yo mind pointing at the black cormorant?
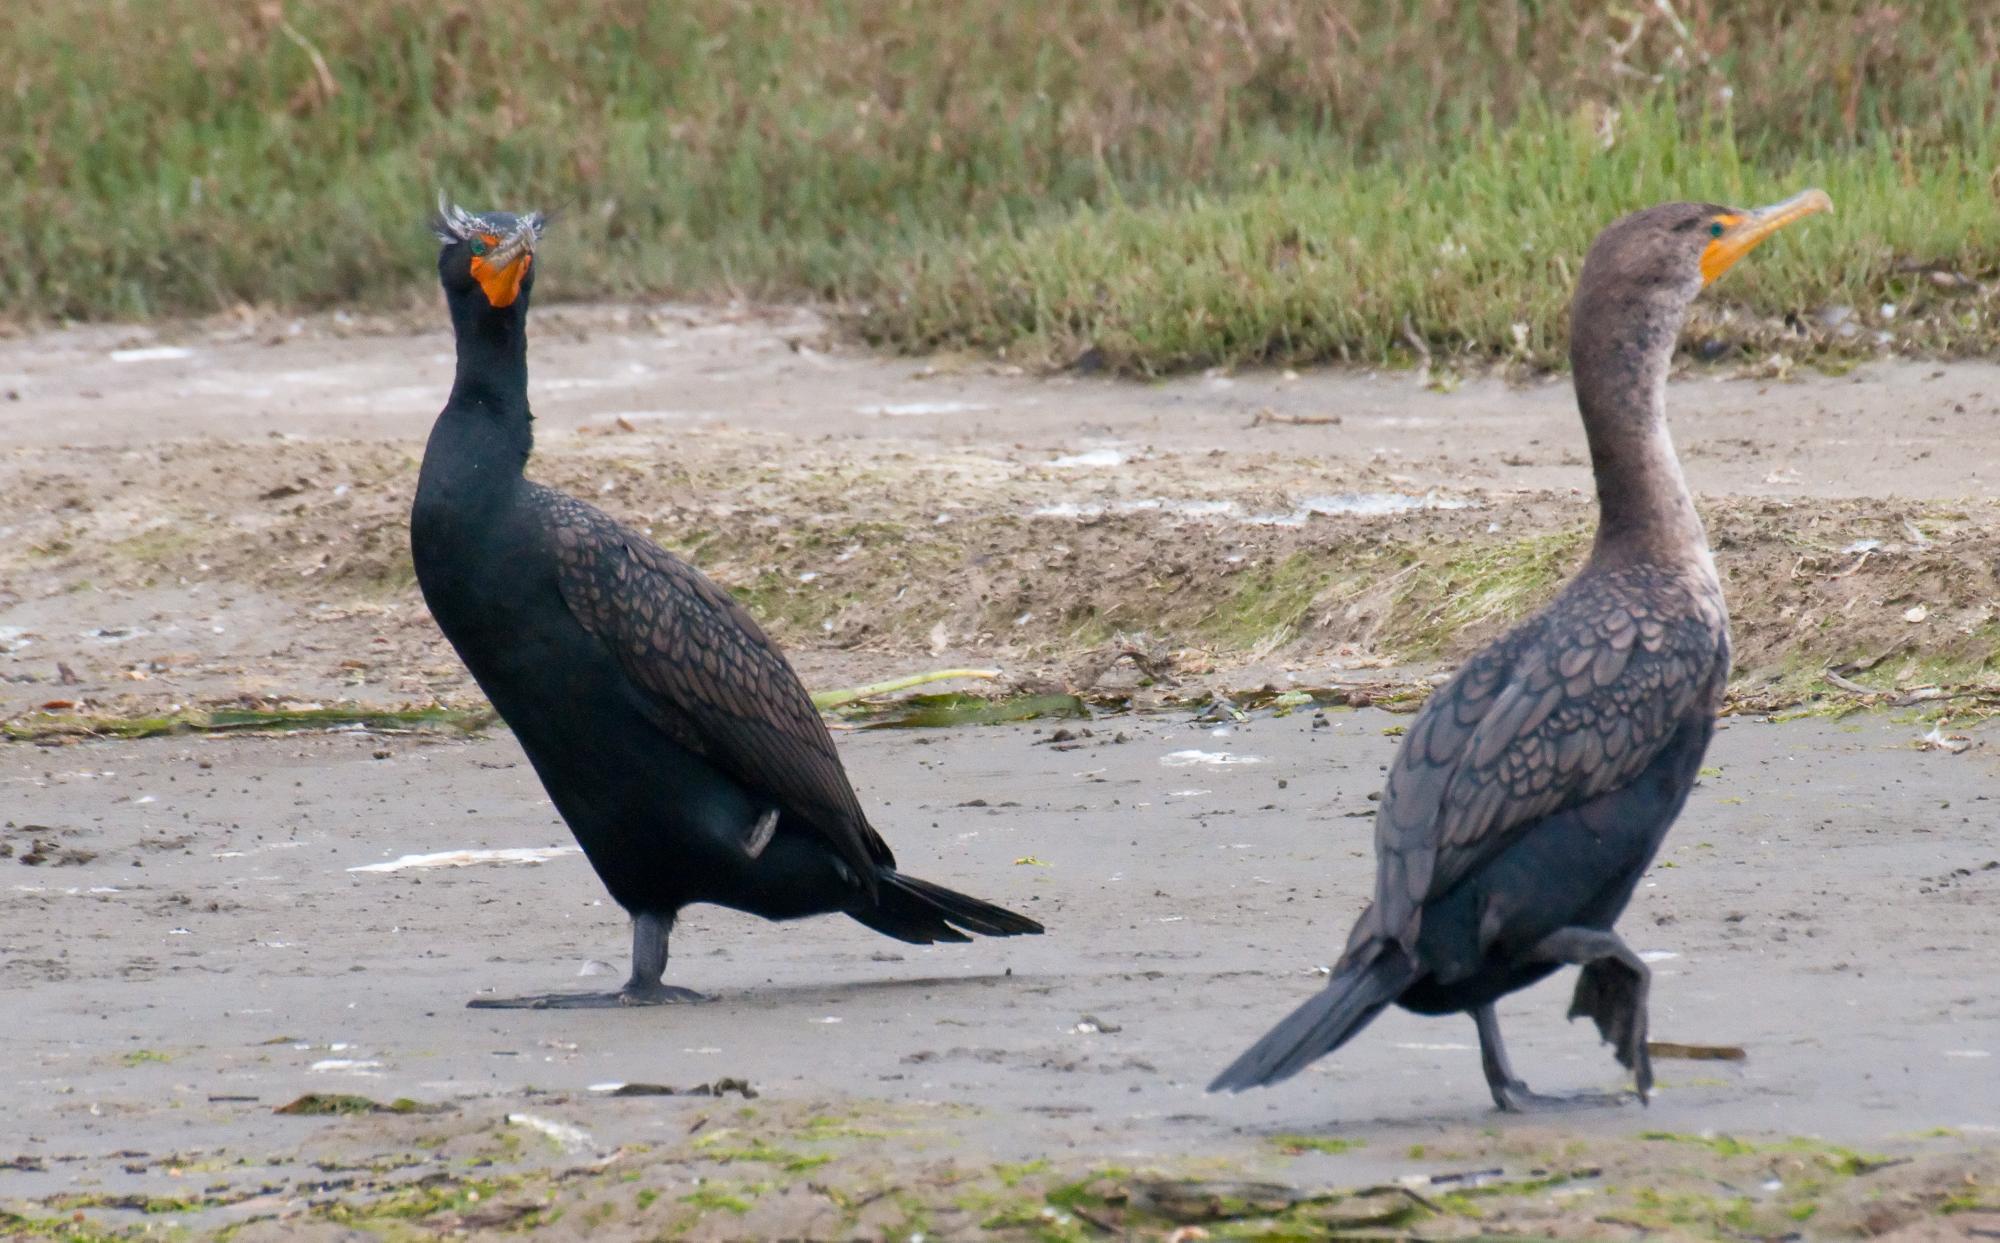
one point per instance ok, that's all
(1533, 789)
(671, 734)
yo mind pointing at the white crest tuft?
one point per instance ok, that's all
(452, 223)
(455, 224)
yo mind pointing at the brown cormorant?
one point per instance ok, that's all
(1533, 789)
(671, 734)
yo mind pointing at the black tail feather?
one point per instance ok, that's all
(921, 913)
(1355, 995)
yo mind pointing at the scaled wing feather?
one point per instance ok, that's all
(708, 675)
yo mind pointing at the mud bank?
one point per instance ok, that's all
(217, 517)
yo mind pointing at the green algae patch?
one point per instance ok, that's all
(330, 1104)
(959, 708)
(46, 725)
(1294, 1145)
(1478, 588)
(1839, 1160)
(786, 1159)
(152, 1206)
(708, 1198)
(827, 701)
(1268, 606)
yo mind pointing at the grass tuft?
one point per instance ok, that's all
(1149, 185)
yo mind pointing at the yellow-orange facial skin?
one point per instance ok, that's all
(1741, 234)
(501, 283)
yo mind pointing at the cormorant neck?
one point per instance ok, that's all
(1621, 347)
(492, 378)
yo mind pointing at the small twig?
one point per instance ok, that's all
(1851, 687)
(1084, 1215)
(1869, 662)
(329, 86)
(1931, 695)
(1415, 342)
(1696, 1052)
(873, 1196)
(1293, 420)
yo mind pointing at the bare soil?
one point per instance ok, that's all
(188, 948)
(226, 523)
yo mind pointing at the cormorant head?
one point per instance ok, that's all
(1678, 249)
(1645, 270)
(486, 256)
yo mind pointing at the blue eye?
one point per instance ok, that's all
(479, 244)
(1715, 230)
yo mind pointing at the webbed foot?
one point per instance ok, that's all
(1513, 1097)
(630, 995)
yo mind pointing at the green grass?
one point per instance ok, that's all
(1172, 184)
(1471, 247)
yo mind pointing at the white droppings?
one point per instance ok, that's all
(1435, 1048)
(568, 1138)
(1089, 459)
(1360, 505)
(1354, 504)
(468, 858)
(910, 409)
(1656, 955)
(355, 1066)
(152, 354)
(1187, 759)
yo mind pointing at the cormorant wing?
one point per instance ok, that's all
(706, 674)
(1573, 704)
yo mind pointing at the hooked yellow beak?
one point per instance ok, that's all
(1740, 234)
(505, 264)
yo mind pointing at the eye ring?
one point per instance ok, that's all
(1715, 229)
(479, 246)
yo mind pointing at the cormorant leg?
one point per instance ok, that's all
(1509, 1093)
(1612, 991)
(649, 963)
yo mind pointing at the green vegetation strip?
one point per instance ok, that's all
(333, 1104)
(38, 726)
(1140, 185)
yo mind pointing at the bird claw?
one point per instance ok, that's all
(660, 995)
(652, 995)
(1515, 1098)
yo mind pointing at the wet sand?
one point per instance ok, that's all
(198, 948)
